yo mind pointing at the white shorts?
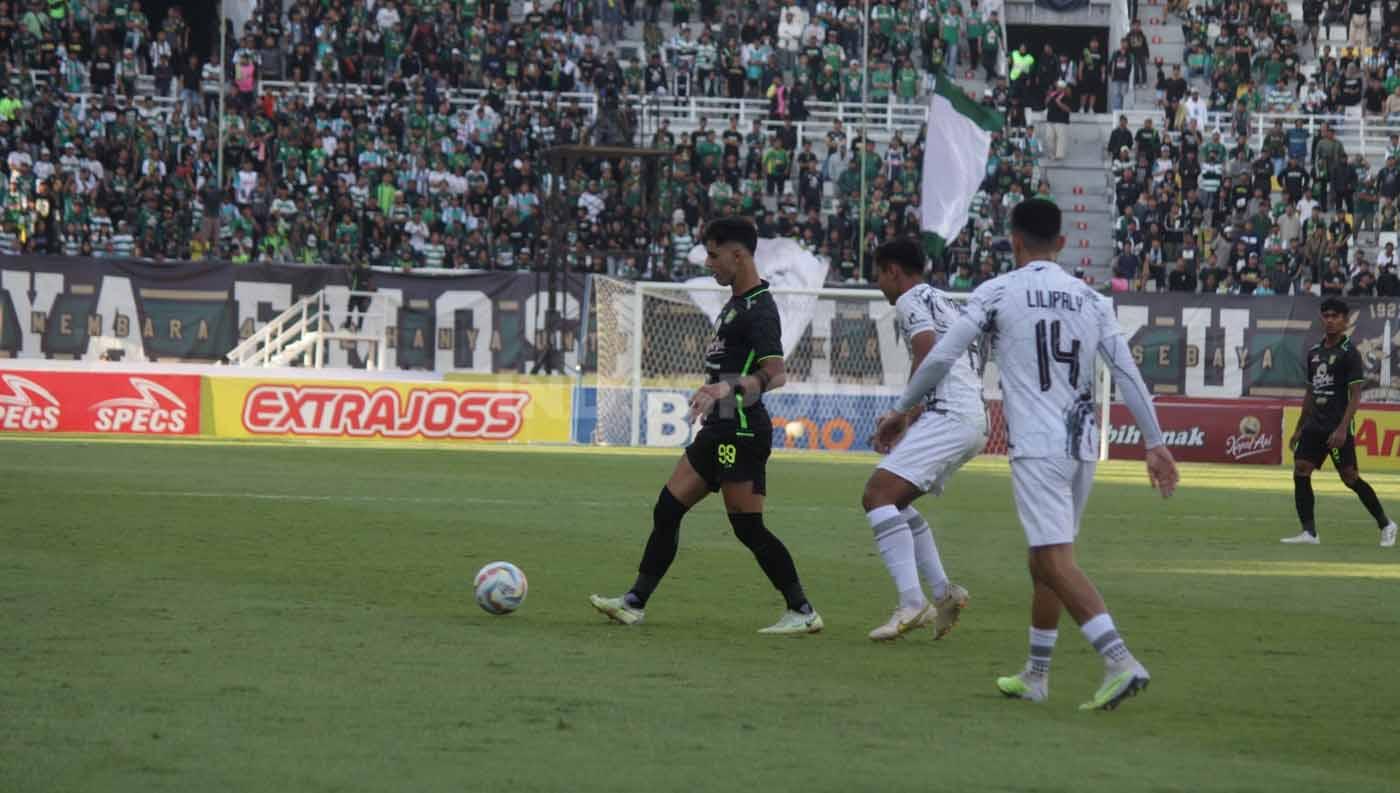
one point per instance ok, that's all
(932, 449)
(1050, 495)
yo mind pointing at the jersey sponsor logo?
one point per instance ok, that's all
(321, 411)
(156, 409)
(28, 406)
(1323, 377)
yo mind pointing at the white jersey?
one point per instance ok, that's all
(1048, 328)
(922, 309)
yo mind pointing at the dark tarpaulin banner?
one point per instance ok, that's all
(1063, 5)
(1202, 346)
(1212, 346)
(58, 307)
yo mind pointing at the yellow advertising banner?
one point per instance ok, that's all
(1377, 430)
(501, 411)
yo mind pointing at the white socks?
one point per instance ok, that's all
(896, 546)
(926, 553)
(1042, 646)
(1100, 632)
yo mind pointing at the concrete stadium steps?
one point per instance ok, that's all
(1166, 41)
(1081, 188)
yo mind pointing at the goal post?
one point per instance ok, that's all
(846, 365)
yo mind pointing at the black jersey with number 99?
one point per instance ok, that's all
(749, 331)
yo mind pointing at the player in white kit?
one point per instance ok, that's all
(1048, 327)
(950, 430)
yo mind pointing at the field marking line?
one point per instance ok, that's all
(316, 498)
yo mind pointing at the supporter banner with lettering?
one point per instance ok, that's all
(1237, 431)
(252, 407)
(1221, 347)
(56, 307)
(127, 404)
(1377, 432)
(1063, 5)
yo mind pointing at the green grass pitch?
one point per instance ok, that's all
(205, 617)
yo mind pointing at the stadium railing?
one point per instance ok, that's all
(1367, 136)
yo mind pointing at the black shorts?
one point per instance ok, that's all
(723, 455)
(1312, 446)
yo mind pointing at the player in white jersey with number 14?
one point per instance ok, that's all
(1048, 328)
(951, 429)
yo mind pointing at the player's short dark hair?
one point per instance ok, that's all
(903, 252)
(1333, 305)
(1038, 221)
(732, 229)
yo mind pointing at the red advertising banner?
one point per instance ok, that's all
(1242, 431)
(127, 404)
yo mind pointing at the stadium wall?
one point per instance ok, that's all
(1200, 346)
(191, 401)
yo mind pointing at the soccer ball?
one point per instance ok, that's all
(500, 588)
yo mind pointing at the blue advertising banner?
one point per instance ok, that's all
(834, 422)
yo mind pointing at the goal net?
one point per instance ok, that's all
(846, 365)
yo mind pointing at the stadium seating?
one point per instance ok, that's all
(409, 136)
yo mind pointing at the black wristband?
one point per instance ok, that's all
(736, 388)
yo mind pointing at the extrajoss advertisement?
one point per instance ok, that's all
(404, 410)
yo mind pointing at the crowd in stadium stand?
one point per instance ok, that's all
(1209, 212)
(109, 129)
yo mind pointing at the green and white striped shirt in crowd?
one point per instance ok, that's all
(122, 244)
(433, 253)
(100, 225)
(680, 251)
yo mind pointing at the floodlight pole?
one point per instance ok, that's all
(223, 75)
(864, 131)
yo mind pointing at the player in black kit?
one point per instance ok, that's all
(1335, 374)
(730, 453)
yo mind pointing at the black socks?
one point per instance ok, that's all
(660, 552)
(772, 556)
(1303, 500)
(661, 548)
(1368, 498)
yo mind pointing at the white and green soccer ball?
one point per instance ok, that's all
(500, 588)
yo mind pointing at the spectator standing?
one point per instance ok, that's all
(1137, 45)
(1091, 77)
(1058, 105)
(1120, 75)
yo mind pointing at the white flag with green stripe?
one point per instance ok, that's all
(956, 147)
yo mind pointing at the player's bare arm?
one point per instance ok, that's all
(922, 343)
(927, 375)
(771, 374)
(1338, 438)
(1302, 418)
